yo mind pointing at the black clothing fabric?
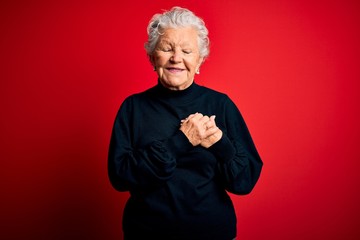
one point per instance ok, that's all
(178, 191)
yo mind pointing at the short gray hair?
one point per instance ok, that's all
(175, 18)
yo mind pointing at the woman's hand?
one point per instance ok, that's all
(193, 128)
(213, 133)
(200, 129)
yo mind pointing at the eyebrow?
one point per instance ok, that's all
(182, 45)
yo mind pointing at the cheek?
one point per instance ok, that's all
(192, 64)
(159, 60)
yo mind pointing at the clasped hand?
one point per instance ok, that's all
(201, 130)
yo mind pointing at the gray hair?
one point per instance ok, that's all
(175, 18)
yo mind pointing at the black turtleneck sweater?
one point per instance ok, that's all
(178, 191)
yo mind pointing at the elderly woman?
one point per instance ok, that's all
(170, 152)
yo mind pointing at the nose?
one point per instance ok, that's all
(176, 56)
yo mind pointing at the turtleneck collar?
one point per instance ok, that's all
(162, 88)
(186, 95)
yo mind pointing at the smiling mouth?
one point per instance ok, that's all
(174, 70)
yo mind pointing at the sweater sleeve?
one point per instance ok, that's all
(139, 168)
(238, 160)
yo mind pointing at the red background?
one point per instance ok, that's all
(292, 67)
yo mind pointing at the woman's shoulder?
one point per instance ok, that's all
(140, 94)
(213, 92)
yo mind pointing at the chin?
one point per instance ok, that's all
(175, 82)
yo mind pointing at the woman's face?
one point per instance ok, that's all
(176, 57)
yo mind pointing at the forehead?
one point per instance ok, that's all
(185, 35)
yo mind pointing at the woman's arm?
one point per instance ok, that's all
(239, 162)
(134, 168)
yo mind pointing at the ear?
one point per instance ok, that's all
(151, 58)
(201, 61)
